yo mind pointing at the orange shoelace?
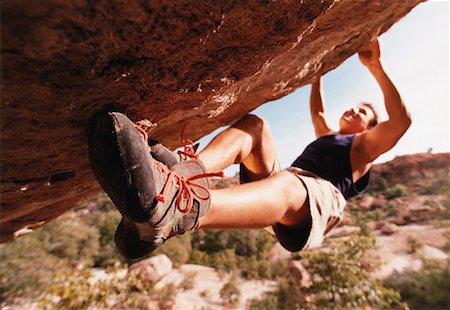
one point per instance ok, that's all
(189, 148)
(186, 187)
(142, 132)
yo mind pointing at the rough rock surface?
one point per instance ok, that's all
(165, 61)
(414, 171)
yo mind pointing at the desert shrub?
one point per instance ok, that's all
(362, 217)
(177, 249)
(70, 237)
(106, 222)
(268, 302)
(25, 268)
(397, 190)
(225, 260)
(414, 244)
(28, 264)
(426, 289)
(78, 290)
(365, 229)
(446, 248)
(378, 185)
(244, 242)
(210, 241)
(231, 250)
(255, 267)
(230, 292)
(250, 267)
(340, 281)
(278, 269)
(441, 186)
(166, 296)
(188, 281)
(445, 214)
(288, 295)
(199, 257)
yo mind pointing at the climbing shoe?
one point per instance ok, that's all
(161, 153)
(121, 161)
(156, 202)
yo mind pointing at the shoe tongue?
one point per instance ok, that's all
(191, 168)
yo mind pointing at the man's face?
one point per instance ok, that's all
(356, 119)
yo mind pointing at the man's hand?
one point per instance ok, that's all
(385, 135)
(370, 56)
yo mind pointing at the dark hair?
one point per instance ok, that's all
(374, 121)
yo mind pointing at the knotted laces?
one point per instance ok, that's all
(189, 147)
(187, 189)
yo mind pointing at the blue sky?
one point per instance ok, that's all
(415, 53)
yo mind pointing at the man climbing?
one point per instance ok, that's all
(159, 197)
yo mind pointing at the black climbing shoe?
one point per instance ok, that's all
(155, 201)
(163, 154)
(121, 161)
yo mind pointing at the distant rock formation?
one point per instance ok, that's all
(166, 61)
(415, 170)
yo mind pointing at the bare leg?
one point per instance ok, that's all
(277, 199)
(249, 141)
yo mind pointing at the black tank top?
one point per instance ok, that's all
(329, 158)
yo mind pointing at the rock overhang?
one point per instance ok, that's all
(167, 62)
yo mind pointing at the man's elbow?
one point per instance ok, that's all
(407, 120)
(404, 120)
(401, 125)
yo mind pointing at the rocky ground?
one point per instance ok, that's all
(406, 210)
(396, 250)
(408, 229)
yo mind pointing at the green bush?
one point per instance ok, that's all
(230, 292)
(225, 260)
(78, 290)
(414, 244)
(188, 281)
(244, 250)
(28, 264)
(338, 281)
(426, 289)
(177, 249)
(397, 190)
(26, 268)
(269, 302)
(378, 185)
(166, 296)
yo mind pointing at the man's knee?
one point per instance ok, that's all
(256, 126)
(292, 191)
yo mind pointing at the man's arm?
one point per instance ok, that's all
(317, 109)
(385, 135)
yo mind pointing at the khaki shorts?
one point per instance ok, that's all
(326, 205)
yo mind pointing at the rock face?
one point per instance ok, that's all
(415, 170)
(165, 61)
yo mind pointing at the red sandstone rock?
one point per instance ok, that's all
(166, 61)
(388, 228)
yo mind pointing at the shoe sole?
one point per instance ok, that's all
(128, 243)
(121, 161)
